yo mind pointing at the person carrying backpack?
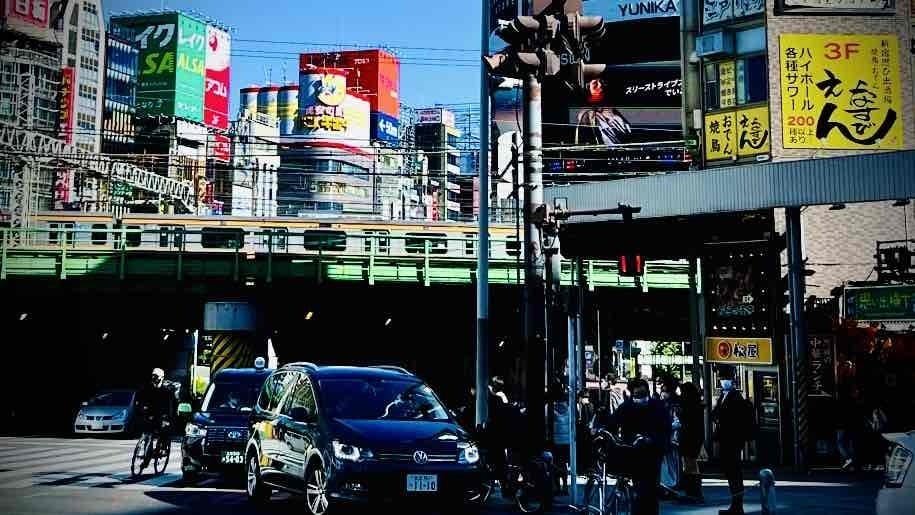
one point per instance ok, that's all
(734, 421)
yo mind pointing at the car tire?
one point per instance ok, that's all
(255, 488)
(316, 498)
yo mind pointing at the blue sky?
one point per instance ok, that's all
(427, 76)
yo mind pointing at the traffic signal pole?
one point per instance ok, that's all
(482, 350)
(534, 286)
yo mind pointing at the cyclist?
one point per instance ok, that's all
(645, 423)
(156, 401)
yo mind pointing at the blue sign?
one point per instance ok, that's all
(385, 128)
(628, 10)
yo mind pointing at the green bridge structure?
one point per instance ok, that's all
(69, 254)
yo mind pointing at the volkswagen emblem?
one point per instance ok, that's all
(420, 457)
(234, 435)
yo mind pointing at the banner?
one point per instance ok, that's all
(190, 75)
(841, 91)
(739, 351)
(65, 128)
(822, 365)
(216, 92)
(157, 39)
(737, 134)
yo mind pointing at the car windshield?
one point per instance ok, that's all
(229, 397)
(111, 399)
(380, 399)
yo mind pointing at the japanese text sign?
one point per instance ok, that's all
(737, 134)
(744, 351)
(726, 84)
(880, 303)
(840, 91)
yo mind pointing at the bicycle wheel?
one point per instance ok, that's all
(592, 499)
(531, 490)
(136, 461)
(620, 501)
(163, 452)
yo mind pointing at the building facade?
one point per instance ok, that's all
(247, 185)
(439, 140)
(119, 110)
(81, 30)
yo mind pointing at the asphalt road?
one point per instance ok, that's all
(91, 476)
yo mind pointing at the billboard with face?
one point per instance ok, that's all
(328, 112)
(216, 93)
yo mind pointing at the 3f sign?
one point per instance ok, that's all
(837, 51)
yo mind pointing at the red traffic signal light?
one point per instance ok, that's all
(631, 265)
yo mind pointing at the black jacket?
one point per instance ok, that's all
(692, 428)
(734, 418)
(158, 403)
(651, 420)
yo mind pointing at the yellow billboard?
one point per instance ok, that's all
(737, 134)
(739, 351)
(840, 91)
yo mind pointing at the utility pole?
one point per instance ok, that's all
(482, 350)
(798, 334)
(689, 66)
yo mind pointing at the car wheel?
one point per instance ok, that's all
(316, 489)
(255, 488)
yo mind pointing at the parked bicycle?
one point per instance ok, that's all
(608, 490)
(153, 446)
(527, 484)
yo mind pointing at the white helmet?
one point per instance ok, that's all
(158, 373)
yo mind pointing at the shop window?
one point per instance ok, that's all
(750, 40)
(747, 76)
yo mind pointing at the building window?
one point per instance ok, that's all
(747, 75)
(90, 7)
(89, 63)
(454, 160)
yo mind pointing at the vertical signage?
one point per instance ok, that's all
(841, 91)
(216, 92)
(726, 84)
(157, 40)
(736, 134)
(66, 105)
(190, 76)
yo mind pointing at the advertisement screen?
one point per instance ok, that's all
(506, 109)
(216, 93)
(841, 91)
(737, 281)
(29, 17)
(157, 39)
(190, 73)
(66, 104)
(627, 10)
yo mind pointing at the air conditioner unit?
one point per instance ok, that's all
(715, 44)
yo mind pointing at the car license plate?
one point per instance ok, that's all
(95, 426)
(233, 458)
(422, 483)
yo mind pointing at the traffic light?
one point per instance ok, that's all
(528, 36)
(631, 265)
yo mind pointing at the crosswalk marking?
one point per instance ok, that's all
(29, 462)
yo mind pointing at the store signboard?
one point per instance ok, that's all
(846, 7)
(737, 134)
(739, 351)
(876, 303)
(841, 91)
(822, 364)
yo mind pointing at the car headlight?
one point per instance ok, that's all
(193, 430)
(897, 465)
(352, 453)
(469, 453)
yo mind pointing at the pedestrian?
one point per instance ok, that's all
(734, 418)
(670, 465)
(645, 424)
(692, 437)
(562, 418)
(584, 416)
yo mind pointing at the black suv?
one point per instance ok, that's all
(215, 437)
(357, 434)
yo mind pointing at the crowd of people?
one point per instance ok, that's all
(665, 427)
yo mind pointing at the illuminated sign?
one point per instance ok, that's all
(841, 91)
(628, 10)
(66, 105)
(742, 351)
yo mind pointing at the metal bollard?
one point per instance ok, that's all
(767, 491)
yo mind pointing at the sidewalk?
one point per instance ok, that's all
(820, 492)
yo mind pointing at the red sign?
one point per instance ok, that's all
(221, 147)
(65, 127)
(373, 73)
(216, 89)
(30, 12)
(62, 186)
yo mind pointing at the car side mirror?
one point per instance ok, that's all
(185, 408)
(302, 414)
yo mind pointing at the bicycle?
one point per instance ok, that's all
(600, 497)
(528, 485)
(154, 446)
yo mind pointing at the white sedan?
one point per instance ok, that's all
(108, 412)
(897, 496)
